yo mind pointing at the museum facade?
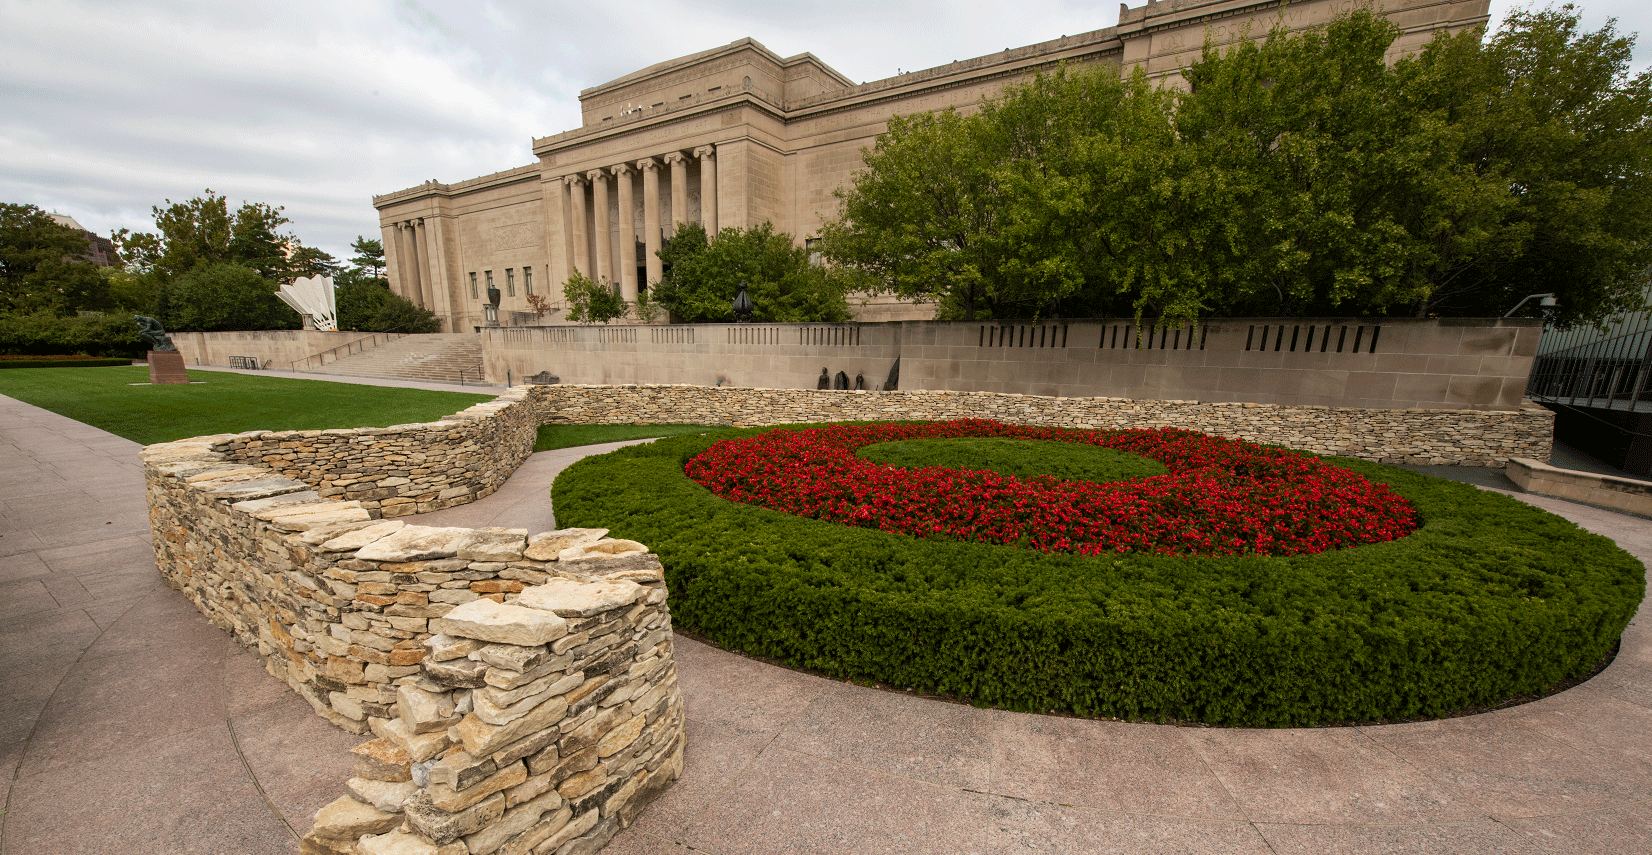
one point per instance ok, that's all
(736, 136)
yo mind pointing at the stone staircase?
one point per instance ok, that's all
(434, 357)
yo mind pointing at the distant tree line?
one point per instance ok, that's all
(205, 267)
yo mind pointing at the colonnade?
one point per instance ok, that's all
(412, 251)
(593, 253)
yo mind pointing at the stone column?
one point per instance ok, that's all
(708, 188)
(627, 263)
(651, 217)
(581, 258)
(427, 288)
(415, 282)
(603, 265)
(679, 189)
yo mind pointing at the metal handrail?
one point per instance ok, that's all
(477, 368)
(348, 348)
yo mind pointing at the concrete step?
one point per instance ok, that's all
(436, 357)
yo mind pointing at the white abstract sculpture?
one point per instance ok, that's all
(312, 297)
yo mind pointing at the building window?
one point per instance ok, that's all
(473, 295)
(488, 274)
(510, 281)
(816, 257)
(527, 281)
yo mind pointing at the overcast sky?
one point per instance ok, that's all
(108, 107)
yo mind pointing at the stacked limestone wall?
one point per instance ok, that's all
(1429, 437)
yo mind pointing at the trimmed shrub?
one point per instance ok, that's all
(1488, 599)
(60, 362)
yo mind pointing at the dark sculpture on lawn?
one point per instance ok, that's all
(154, 334)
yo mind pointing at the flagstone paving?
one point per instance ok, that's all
(130, 724)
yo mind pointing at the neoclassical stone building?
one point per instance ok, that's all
(737, 135)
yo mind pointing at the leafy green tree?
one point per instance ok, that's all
(41, 266)
(46, 333)
(369, 257)
(223, 296)
(591, 301)
(203, 231)
(366, 303)
(703, 276)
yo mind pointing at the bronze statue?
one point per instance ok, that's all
(154, 334)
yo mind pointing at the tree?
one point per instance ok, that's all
(703, 276)
(202, 231)
(366, 303)
(369, 257)
(1300, 176)
(591, 301)
(41, 267)
(223, 296)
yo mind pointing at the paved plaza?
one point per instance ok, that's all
(130, 724)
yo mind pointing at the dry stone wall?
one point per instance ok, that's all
(1415, 436)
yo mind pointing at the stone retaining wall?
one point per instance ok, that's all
(522, 688)
(1429, 437)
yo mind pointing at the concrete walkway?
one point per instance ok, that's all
(129, 724)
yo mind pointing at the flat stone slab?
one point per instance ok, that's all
(416, 543)
(546, 545)
(501, 624)
(494, 544)
(581, 598)
(363, 536)
(602, 549)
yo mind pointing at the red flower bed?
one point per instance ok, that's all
(1221, 497)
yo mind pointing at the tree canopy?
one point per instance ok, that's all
(703, 275)
(42, 266)
(1300, 175)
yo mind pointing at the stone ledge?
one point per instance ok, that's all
(1603, 491)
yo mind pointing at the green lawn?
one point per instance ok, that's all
(225, 403)
(568, 436)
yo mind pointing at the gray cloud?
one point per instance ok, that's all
(107, 108)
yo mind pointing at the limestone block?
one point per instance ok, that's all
(419, 746)
(382, 760)
(395, 843)
(575, 828)
(444, 827)
(458, 673)
(461, 769)
(636, 568)
(621, 736)
(445, 647)
(602, 549)
(452, 800)
(384, 795)
(547, 545)
(549, 685)
(479, 737)
(345, 818)
(549, 825)
(515, 821)
(226, 470)
(578, 598)
(424, 711)
(499, 623)
(362, 536)
(494, 544)
(415, 543)
(492, 713)
(254, 506)
(512, 656)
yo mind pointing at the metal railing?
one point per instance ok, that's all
(476, 368)
(1612, 372)
(318, 359)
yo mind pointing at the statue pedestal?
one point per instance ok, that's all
(167, 366)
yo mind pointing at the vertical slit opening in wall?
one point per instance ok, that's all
(1308, 345)
(1178, 345)
(1295, 332)
(1249, 336)
(1374, 332)
(1359, 332)
(1203, 332)
(1063, 335)
(1342, 337)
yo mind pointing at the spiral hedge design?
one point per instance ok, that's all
(1487, 598)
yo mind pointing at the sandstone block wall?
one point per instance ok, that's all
(1429, 437)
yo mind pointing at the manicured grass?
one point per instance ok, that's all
(1489, 599)
(226, 403)
(567, 435)
(1018, 457)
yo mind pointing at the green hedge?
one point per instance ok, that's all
(62, 362)
(1491, 598)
